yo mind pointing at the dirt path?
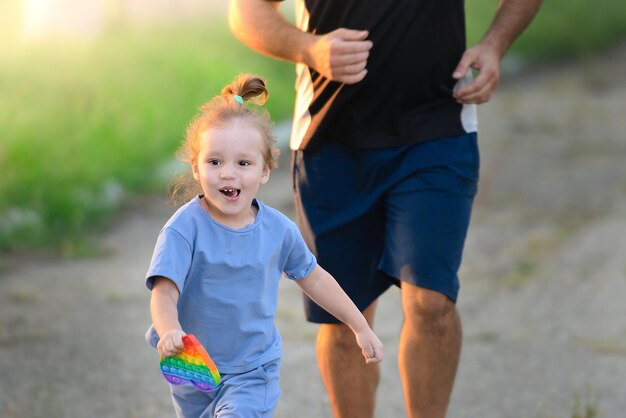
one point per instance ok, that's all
(544, 280)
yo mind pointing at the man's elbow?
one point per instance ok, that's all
(241, 17)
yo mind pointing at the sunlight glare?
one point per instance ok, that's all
(66, 18)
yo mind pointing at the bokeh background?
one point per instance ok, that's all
(95, 96)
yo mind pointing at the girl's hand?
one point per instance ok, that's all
(171, 343)
(371, 346)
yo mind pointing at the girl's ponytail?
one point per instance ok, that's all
(249, 88)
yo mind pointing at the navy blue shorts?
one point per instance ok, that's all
(375, 217)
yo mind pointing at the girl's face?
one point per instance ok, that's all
(231, 169)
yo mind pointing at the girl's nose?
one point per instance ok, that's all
(227, 172)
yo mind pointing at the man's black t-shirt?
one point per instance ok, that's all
(406, 96)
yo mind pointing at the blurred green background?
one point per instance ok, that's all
(91, 114)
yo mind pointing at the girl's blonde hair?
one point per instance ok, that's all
(219, 111)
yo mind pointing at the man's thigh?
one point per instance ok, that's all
(425, 233)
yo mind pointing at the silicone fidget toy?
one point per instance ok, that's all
(192, 365)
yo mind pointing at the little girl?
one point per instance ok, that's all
(218, 260)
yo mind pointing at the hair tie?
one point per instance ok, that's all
(239, 99)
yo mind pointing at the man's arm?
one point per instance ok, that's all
(340, 55)
(512, 17)
(259, 25)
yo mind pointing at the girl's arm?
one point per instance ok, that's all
(164, 311)
(320, 286)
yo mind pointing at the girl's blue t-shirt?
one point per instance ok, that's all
(228, 281)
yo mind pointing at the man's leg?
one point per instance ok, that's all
(350, 382)
(429, 349)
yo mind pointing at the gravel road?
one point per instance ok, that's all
(543, 281)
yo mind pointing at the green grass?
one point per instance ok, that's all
(585, 408)
(85, 124)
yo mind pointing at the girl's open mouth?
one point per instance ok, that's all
(230, 192)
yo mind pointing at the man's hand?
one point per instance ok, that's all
(511, 19)
(340, 55)
(484, 58)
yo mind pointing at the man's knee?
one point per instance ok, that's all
(338, 335)
(341, 334)
(426, 308)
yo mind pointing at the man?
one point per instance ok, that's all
(386, 168)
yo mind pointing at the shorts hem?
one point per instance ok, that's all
(450, 292)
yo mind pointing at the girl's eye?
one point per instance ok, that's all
(244, 163)
(213, 162)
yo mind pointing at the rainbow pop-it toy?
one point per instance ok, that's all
(193, 365)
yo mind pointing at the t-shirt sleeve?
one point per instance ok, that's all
(300, 261)
(171, 258)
